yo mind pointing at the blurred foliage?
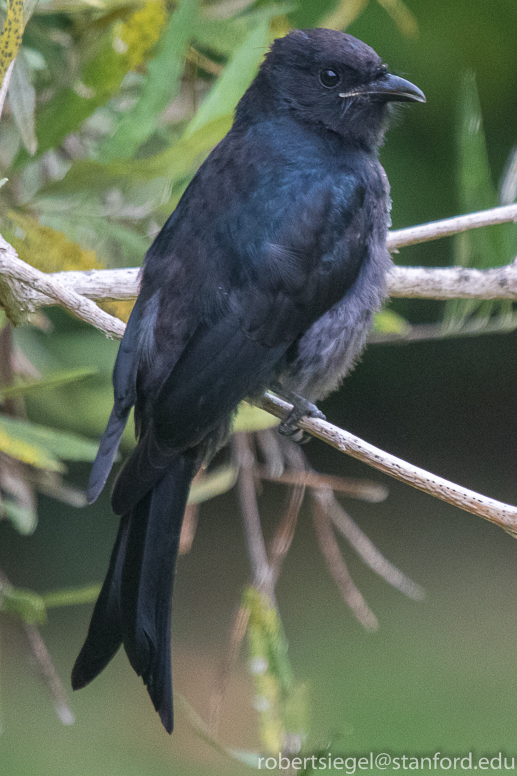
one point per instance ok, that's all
(280, 702)
(112, 106)
(480, 248)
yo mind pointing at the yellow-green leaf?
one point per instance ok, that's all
(390, 322)
(219, 481)
(17, 447)
(71, 596)
(42, 446)
(53, 381)
(250, 418)
(26, 604)
(235, 79)
(11, 37)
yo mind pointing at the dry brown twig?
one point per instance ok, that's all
(45, 665)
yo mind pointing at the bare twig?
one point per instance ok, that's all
(410, 282)
(425, 332)
(46, 666)
(449, 226)
(17, 280)
(364, 546)
(453, 282)
(15, 297)
(503, 515)
(269, 445)
(364, 490)
(24, 289)
(49, 673)
(338, 568)
(188, 529)
(284, 533)
(238, 631)
(262, 576)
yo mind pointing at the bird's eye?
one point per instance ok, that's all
(329, 78)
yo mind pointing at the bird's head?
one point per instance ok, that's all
(332, 80)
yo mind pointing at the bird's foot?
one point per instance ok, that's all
(302, 408)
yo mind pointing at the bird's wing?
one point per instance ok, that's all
(124, 386)
(301, 268)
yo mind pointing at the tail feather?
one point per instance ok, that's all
(106, 454)
(105, 631)
(134, 607)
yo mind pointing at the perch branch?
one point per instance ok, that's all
(23, 289)
(450, 226)
(411, 282)
(503, 515)
(18, 299)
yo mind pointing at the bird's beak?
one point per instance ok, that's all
(390, 88)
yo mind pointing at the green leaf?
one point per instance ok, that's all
(14, 441)
(22, 99)
(250, 418)
(280, 701)
(390, 322)
(174, 164)
(48, 444)
(488, 247)
(213, 484)
(235, 79)
(24, 603)
(24, 520)
(224, 35)
(162, 86)
(53, 381)
(71, 596)
(101, 66)
(10, 35)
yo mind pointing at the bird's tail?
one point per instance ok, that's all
(134, 605)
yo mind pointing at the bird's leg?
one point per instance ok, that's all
(302, 408)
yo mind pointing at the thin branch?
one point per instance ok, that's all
(20, 284)
(453, 282)
(425, 332)
(46, 667)
(15, 297)
(403, 282)
(450, 226)
(364, 546)
(322, 491)
(284, 534)
(238, 631)
(503, 515)
(262, 575)
(189, 528)
(49, 673)
(339, 570)
(364, 490)
(25, 289)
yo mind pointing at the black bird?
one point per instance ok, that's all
(267, 274)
